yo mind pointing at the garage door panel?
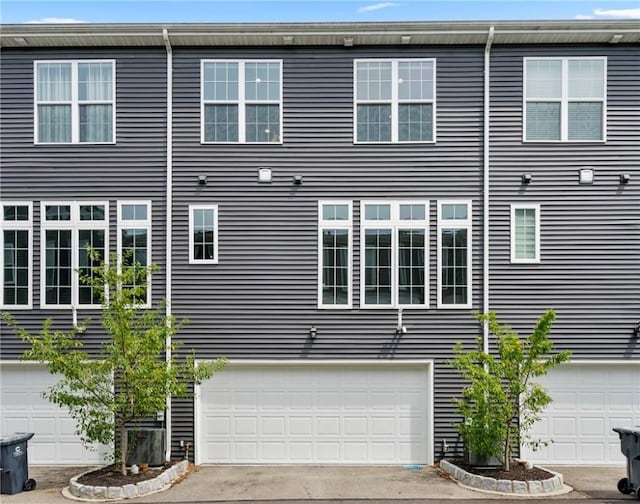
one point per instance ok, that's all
(315, 414)
(588, 401)
(25, 410)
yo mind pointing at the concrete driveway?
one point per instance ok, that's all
(326, 483)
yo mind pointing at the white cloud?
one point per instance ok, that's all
(54, 20)
(378, 6)
(582, 16)
(619, 13)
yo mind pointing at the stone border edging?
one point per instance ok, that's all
(78, 491)
(551, 486)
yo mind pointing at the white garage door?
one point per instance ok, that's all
(589, 400)
(329, 414)
(24, 410)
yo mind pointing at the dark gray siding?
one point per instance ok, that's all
(260, 300)
(590, 234)
(133, 168)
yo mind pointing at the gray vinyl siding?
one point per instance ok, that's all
(132, 168)
(590, 234)
(261, 299)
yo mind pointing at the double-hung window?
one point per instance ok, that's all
(454, 254)
(203, 234)
(394, 248)
(15, 241)
(395, 100)
(241, 101)
(565, 99)
(525, 233)
(335, 231)
(75, 101)
(69, 228)
(134, 245)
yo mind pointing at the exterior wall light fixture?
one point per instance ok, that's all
(586, 176)
(297, 179)
(625, 178)
(202, 180)
(526, 178)
(636, 331)
(313, 332)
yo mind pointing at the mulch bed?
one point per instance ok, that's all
(518, 472)
(111, 476)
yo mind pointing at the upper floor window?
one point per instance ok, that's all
(241, 101)
(394, 247)
(75, 101)
(454, 254)
(335, 230)
(525, 233)
(134, 244)
(565, 99)
(15, 242)
(69, 228)
(395, 100)
(203, 234)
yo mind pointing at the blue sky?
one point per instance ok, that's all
(149, 11)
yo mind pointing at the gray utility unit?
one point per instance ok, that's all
(14, 464)
(630, 447)
(328, 205)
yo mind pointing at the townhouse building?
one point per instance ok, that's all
(328, 205)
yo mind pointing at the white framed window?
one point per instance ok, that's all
(335, 249)
(203, 234)
(67, 228)
(454, 254)
(525, 233)
(16, 275)
(394, 260)
(241, 101)
(134, 240)
(75, 101)
(394, 100)
(565, 99)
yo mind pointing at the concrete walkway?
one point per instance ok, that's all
(217, 484)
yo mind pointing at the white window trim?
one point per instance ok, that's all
(455, 224)
(215, 234)
(526, 206)
(13, 225)
(241, 101)
(336, 224)
(74, 225)
(394, 224)
(75, 102)
(394, 101)
(564, 100)
(135, 224)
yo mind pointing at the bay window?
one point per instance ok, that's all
(394, 254)
(454, 254)
(68, 229)
(334, 255)
(16, 244)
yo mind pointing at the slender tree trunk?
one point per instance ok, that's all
(123, 449)
(507, 451)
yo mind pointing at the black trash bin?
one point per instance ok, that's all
(630, 447)
(13, 463)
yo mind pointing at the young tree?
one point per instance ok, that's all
(130, 378)
(502, 402)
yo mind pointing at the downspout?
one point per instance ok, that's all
(485, 190)
(169, 229)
